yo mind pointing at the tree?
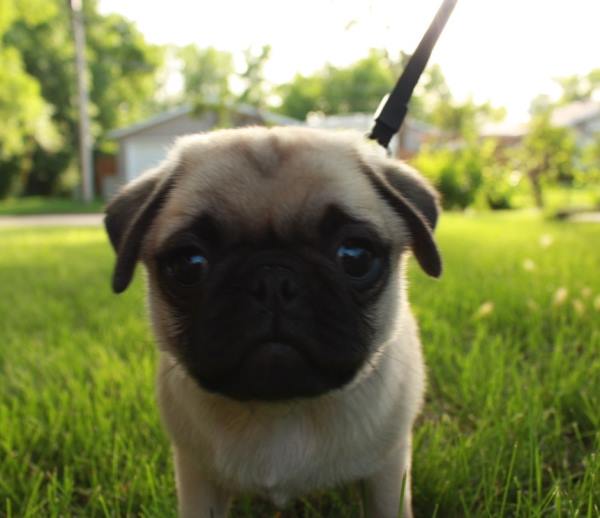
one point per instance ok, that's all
(547, 153)
(206, 75)
(579, 88)
(540, 105)
(462, 119)
(255, 86)
(301, 96)
(551, 153)
(589, 164)
(26, 117)
(356, 88)
(122, 69)
(360, 87)
(431, 91)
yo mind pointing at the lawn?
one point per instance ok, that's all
(559, 198)
(512, 342)
(44, 205)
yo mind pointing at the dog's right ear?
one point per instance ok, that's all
(129, 216)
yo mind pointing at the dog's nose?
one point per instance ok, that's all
(274, 286)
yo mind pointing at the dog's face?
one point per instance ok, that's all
(273, 256)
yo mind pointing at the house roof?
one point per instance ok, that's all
(161, 118)
(504, 129)
(356, 121)
(569, 115)
(575, 113)
(362, 122)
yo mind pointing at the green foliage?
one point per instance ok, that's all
(209, 73)
(122, 68)
(356, 88)
(456, 171)
(301, 96)
(431, 91)
(552, 154)
(540, 105)
(23, 112)
(25, 115)
(579, 87)
(549, 148)
(547, 154)
(510, 426)
(462, 119)
(206, 73)
(360, 87)
(574, 88)
(500, 185)
(255, 85)
(471, 173)
(589, 163)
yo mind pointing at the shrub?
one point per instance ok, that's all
(455, 171)
(468, 173)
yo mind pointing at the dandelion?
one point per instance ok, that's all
(546, 240)
(560, 296)
(528, 265)
(484, 310)
(578, 306)
(586, 292)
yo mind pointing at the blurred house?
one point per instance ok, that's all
(583, 117)
(507, 134)
(145, 144)
(412, 135)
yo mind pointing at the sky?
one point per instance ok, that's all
(504, 51)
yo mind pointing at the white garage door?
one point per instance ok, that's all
(144, 152)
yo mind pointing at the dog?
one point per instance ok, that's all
(289, 359)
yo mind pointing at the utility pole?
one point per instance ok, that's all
(85, 138)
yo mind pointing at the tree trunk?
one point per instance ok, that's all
(536, 186)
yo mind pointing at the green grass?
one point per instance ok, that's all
(510, 426)
(559, 197)
(42, 205)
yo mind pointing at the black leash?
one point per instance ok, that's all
(392, 109)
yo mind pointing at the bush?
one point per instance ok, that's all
(455, 172)
(469, 173)
(500, 186)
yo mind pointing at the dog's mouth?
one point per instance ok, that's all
(271, 355)
(275, 370)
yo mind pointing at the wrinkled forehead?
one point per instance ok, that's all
(268, 185)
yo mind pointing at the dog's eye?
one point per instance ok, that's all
(359, 261)
(187, 266)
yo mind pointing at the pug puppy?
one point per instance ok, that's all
(289, 357)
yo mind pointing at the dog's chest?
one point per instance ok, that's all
(290, 455)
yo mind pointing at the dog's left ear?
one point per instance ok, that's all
(406, 181)
(129, 216)
(412, 198)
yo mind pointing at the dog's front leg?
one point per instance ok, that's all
(198, 497)
(384, 489)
